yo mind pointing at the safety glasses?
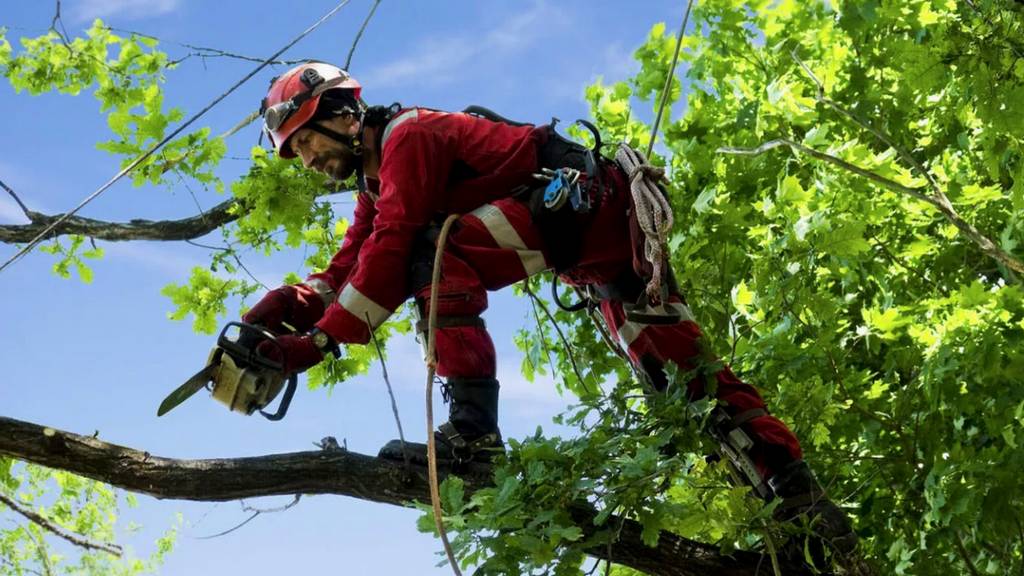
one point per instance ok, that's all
(275, 116)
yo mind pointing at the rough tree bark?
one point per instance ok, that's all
(330, 471)
(138, 229)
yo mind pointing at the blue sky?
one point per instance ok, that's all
(101, 356)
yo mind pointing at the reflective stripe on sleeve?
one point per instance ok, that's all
(507, 237)
(630, 331)
(407, 115)
(323, 289)
(360, 306)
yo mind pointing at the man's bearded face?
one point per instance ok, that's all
(324, 154)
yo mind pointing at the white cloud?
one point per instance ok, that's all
(439, 60)
(164, 259)
(619, 63)
(127, 9)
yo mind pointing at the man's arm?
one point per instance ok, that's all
(302, 305)
(413, 177)
(327, 282)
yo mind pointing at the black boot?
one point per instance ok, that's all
(831, 539)
(471, 432)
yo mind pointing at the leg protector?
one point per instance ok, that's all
(735, 445)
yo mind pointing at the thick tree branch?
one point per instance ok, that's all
(183, 229)
(168, 230)
(328, 472)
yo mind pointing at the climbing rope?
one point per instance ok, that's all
(142, 158)
(435, 493)
(653, 212)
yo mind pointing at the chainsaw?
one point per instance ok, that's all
(238, 376)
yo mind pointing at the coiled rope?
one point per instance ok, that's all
(653, 212)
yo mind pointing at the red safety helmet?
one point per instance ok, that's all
(294, 96)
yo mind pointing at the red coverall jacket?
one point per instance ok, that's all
(432, 164)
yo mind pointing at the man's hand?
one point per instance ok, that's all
(299, 306)
(300, 353)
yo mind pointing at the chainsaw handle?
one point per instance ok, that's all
(249, 354)
(286, 400)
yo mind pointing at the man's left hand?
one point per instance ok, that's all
(299, 351)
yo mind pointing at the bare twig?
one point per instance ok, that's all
(540, 334)
(63, 32)
(939, 201)
(391, 392)
(10, 191)
(234, 256)
(255, 512)
(42, 522)
(964, 555)
(230, 530)
(937, 198)
(569, 350)
(203, 51)
(13, 566)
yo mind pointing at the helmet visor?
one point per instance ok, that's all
(276, 115)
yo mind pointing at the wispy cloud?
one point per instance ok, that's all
(127, 9)
(440, 60)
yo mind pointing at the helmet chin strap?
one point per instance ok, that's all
(354, 143)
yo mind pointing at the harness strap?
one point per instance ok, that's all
(452, 321)
(748, 415)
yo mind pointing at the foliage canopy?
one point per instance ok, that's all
(880, 327)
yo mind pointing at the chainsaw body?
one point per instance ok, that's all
(238, 376)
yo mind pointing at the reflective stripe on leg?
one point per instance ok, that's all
(505, 236)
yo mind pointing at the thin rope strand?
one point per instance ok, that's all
(668, 80)
(435, 493)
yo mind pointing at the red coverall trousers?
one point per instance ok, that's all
(498, 244)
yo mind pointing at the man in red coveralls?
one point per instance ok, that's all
(416, 166)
